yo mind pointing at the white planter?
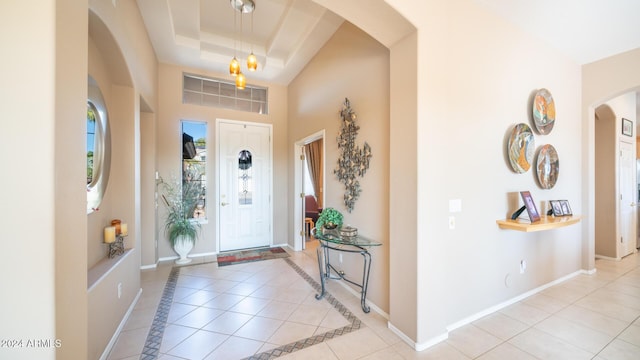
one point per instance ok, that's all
(183, 246)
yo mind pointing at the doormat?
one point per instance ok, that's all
(244, 256)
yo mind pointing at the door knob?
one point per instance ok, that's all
(224, 203)
(633, 204)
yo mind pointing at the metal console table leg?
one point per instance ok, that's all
(325, 268)
(321, 259)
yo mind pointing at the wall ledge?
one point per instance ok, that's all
(100, 270)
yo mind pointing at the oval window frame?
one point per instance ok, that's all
(102, 147)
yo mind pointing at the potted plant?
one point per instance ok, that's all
(181, 196)
(329, 218)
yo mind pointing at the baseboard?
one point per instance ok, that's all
(431, 342)
(372, 305)
(500, 306)
(175, 257)
(292, 248)
(114, 338)
(468, 320)
(607, 258)
(147, 267)
(417, 346)
(281, 245)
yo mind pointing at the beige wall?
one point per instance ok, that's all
(121, 60)
(44, 214)
(148, 230)
(476, 76)
(606, 225)
(38, 239)
(353, 65)
(169, 155)
(403, 214)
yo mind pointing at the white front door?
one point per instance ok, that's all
(244, 163)
(627, 199)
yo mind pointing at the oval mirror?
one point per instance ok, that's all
(98, 148)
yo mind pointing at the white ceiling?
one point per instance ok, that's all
(587, 30)
(206, 34)
(288, 33)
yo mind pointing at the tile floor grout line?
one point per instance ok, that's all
(617, 337)
(153, 342)
(354, 323)
(574, 303)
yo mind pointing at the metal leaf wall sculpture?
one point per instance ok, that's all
(353, 161)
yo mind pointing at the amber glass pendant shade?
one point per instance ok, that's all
(234, 67)
(252, 62)
(241, 81)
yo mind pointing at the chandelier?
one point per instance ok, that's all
(243, 7)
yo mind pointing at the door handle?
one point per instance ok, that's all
(224, 203)
(633, 204)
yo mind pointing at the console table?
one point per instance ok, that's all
(333, 241)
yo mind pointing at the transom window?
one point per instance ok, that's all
(198, 90)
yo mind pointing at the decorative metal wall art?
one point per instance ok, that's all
(353, 161)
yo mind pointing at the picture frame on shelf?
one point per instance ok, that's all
(627, 127)
(566, 208)
(556, 207)
(530, 205)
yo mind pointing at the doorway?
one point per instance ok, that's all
(244, 169)
(309, 150)
(615, 181)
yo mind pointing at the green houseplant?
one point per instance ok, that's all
(180, 197)
(329, 218)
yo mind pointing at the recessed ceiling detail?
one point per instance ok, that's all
(206, 34)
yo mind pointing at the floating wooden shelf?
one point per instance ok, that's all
(545, 223)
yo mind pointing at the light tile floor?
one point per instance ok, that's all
(242, 310)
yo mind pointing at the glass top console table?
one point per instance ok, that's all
(333, 241)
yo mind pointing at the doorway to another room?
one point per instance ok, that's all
(309, 183)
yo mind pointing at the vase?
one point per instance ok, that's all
(183, 246)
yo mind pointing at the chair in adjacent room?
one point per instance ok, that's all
(311, 211)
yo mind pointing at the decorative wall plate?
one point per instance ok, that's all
(548, 166)
(544, 111)
(521, 148)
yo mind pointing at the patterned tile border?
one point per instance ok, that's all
(151, 349)
(354, 323)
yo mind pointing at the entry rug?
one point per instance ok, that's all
(258, 254)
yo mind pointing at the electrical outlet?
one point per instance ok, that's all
(452, 222)
(119, 290)
(523, 266)
(340, 258)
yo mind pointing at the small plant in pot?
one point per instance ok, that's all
(181, 197)
(329, 218)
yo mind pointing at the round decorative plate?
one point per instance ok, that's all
(548, 166)
(521, 148)
(544, 111)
